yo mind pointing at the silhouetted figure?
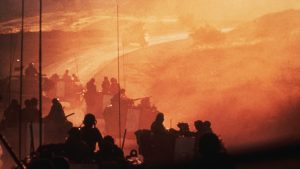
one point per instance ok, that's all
(34, 113)
(114, 86)
(202, 128)
(184, 129)
(55, 78)
(56, 124)
(199, 128)
(212, 153)
(31, 71)
(91, 86)
(76, 149)
(146, 111)
(207, 127)
(48, 84)
(121, 98)
(11, 114)
(66, 77)
(105, 85)
(133, 158)
(90, 133)
(157, 126)
(75, 78)
(120, 103)
(92, 97)
(110, 151)
(27, 112)
(56, 113)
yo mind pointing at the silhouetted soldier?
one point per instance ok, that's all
(56, 113)
(146, 111)
(34, 113)
(66, 77)
(55, 78)
(207, 127)
(213, 153)
(110, 151)
(157, 126)
(56, 123)
(202, 128)
(199, 128)
(11, 114)
(68, 84)
(120, 102)
(184, 129)
(91, 97)
(121, 98)
(91, 86)
(49, 86)
(75, 78)
(105, 85)
(27, 112)
(90, 133)
(76, 149)
(31, 70)
(114, 86)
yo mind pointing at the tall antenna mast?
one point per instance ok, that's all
(10, 67)
(40, 76)
(118, 41)
(21, 82)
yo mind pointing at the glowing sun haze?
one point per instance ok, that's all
(246, 83)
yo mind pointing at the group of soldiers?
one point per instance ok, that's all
(67, 87)
(202, 127)
(168, 146)
(86, 143)
(117, 109)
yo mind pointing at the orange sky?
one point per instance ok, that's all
(212, 11)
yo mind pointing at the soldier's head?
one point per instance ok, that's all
(184, 127)
(113, 80)
(89, 120)
(109, 139)
(34, 102)
(31, 65)
(198, 125)
(55, 101)
(160, 118)
(27, 103)
(207, 124)
(122, 91)
(92, 80)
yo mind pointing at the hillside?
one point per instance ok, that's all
(283, 25)
(231, 85)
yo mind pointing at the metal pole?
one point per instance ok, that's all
(124, 137)
(40, 76)
(118, 41)
(21, 82)
(10, 67)
(123, 64)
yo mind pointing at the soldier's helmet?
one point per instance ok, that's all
(89, 119)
